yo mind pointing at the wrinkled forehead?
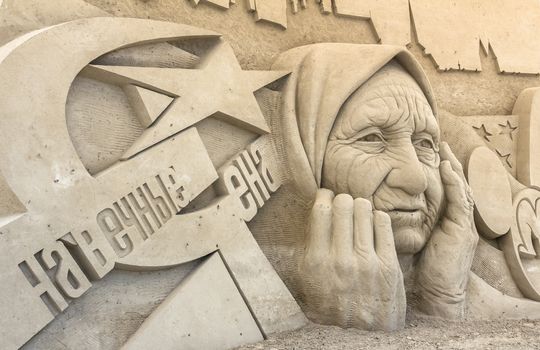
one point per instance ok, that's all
(390, 99)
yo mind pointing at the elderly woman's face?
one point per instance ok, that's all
(384, 147)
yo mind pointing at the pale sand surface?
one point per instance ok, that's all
(420, 333)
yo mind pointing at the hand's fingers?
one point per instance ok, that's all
(319, 232)
(342, 225)
(363, 225)
(453, 184)
(459, 207)
(384, 238)
(447, 154)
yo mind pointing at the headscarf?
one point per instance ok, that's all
(323, 77)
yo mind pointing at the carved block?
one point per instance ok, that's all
(466, 25)
(390, 19)
(527, 107)
(185, 320)
(492, 195)
(272, 11)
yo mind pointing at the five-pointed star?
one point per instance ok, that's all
(482, 132)
(507, 129)
(219, 87)
(505, 158)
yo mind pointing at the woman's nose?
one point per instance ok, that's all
(407, 173)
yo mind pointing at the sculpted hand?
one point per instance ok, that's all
(446, 261)
(349, 272)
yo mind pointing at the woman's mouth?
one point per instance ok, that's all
(406, 217)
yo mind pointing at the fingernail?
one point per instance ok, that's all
(362, 204)
(381, 217)
(324, 194)
(344, 202)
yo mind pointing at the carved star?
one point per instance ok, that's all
(507, 129)
(218, 87)
(504, 158)
(482, 132)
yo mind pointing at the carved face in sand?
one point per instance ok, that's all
(384, 147)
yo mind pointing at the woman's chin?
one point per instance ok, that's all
(409, 240)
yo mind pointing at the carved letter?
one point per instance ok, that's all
(270, 181)
(43, 286)
(158, 203)
(111, 227)
(142, 207)
(231, 182)
(128, 217)
(97, 259)
(69, 276)
(252, 177)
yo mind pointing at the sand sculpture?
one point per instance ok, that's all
(386, 184)
(328, 187)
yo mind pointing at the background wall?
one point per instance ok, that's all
(485, 92)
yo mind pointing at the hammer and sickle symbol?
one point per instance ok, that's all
(54, 211)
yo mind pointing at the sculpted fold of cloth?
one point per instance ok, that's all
(362, 141)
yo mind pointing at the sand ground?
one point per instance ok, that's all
(420, 333)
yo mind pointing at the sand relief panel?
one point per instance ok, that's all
(334, 184)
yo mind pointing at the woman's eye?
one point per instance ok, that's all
(371, 138)
(425, 143)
